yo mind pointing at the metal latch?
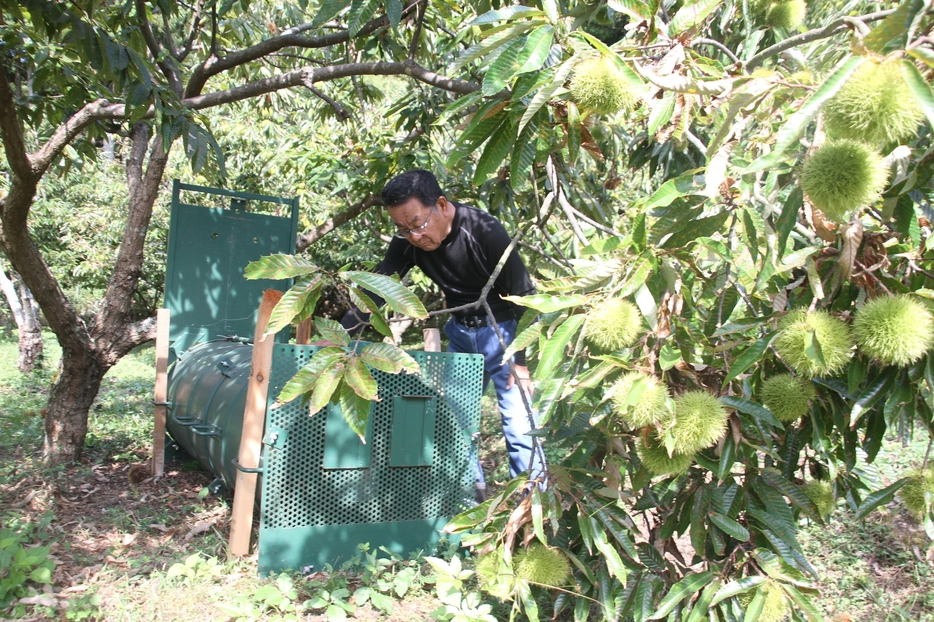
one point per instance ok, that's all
(276, 437)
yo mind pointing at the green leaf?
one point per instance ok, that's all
(523, 340)
(701, 227)
(702, 605)
(324, 387)
(787, 219)
(396, 295)
(329, 9)
(804, 603)
(296, 304)
(394, 12)
(893, 28)
(812, 349)
(358, 376)
(754, 608)
(362, 301)
(547, 303)
(794, 493)
(545, 94)
(574, 132)
(874, 391)
(493, 42)
(495, 151)
(684, 588)
(355, 410)
(279, 266)
(692, 15)
(553, 352)
(729, 526)
(332, 331)
(879, 497)
(536, 49)
(684, 184)
(734, 588)
(503, 68)
(41, 575)
(614, 562)
(388, 358)
(523, 153)
(305, 379)
(795, 126)
(750, 357)
(919, 88)
(507, 13)
(361, 12)
(923, 54)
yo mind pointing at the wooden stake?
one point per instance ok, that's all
(303, 333)
(159, 395)
(432, 339)
(254, 414)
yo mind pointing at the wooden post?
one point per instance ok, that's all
(432, 339)
(241, 520)
(303, 332)
(159, 395)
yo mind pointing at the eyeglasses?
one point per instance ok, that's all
(417, 231)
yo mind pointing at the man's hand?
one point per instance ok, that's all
(525, 381)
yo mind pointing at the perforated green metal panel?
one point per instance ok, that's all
(415, 470)
(208, 249)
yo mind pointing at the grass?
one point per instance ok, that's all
(156, 550)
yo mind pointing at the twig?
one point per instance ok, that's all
(716, 44)
(816, 34)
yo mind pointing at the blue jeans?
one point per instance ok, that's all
(514, 417)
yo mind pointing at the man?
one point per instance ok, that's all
(458, 247)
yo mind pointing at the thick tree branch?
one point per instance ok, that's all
(289, 38)
(829, 30)
(74, 125)
(168, 70)
(307, 239)
(13, 144)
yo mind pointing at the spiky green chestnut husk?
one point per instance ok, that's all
(832, 334)
(698, 421)
(875, 105)
(820, 492)
(789, 14)
(775, 608)
(598, 86)
(912, 493)
(651, 406)
(487, 569)
(612, 325)
(787, 396)
(895, 330)
(656, 459)
(843, 176)
(542, 565)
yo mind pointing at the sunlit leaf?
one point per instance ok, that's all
(388, 358)
(399, 298)
(279, 266)
(358, 376)
(332, 331)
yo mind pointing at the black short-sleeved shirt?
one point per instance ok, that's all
(463, 263)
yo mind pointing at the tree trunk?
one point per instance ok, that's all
(26, 315)
(66, 417)
(30, 332)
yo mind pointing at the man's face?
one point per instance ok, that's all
(423, 227)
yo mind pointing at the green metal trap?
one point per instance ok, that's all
(324, 491)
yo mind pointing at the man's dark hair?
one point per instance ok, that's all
(418, 183)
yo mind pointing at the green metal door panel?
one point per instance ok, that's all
(343, 449)
(413, 431)
(312, 514)
(308, 549)
(209, 247)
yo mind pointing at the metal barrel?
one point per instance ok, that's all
(206, 394)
